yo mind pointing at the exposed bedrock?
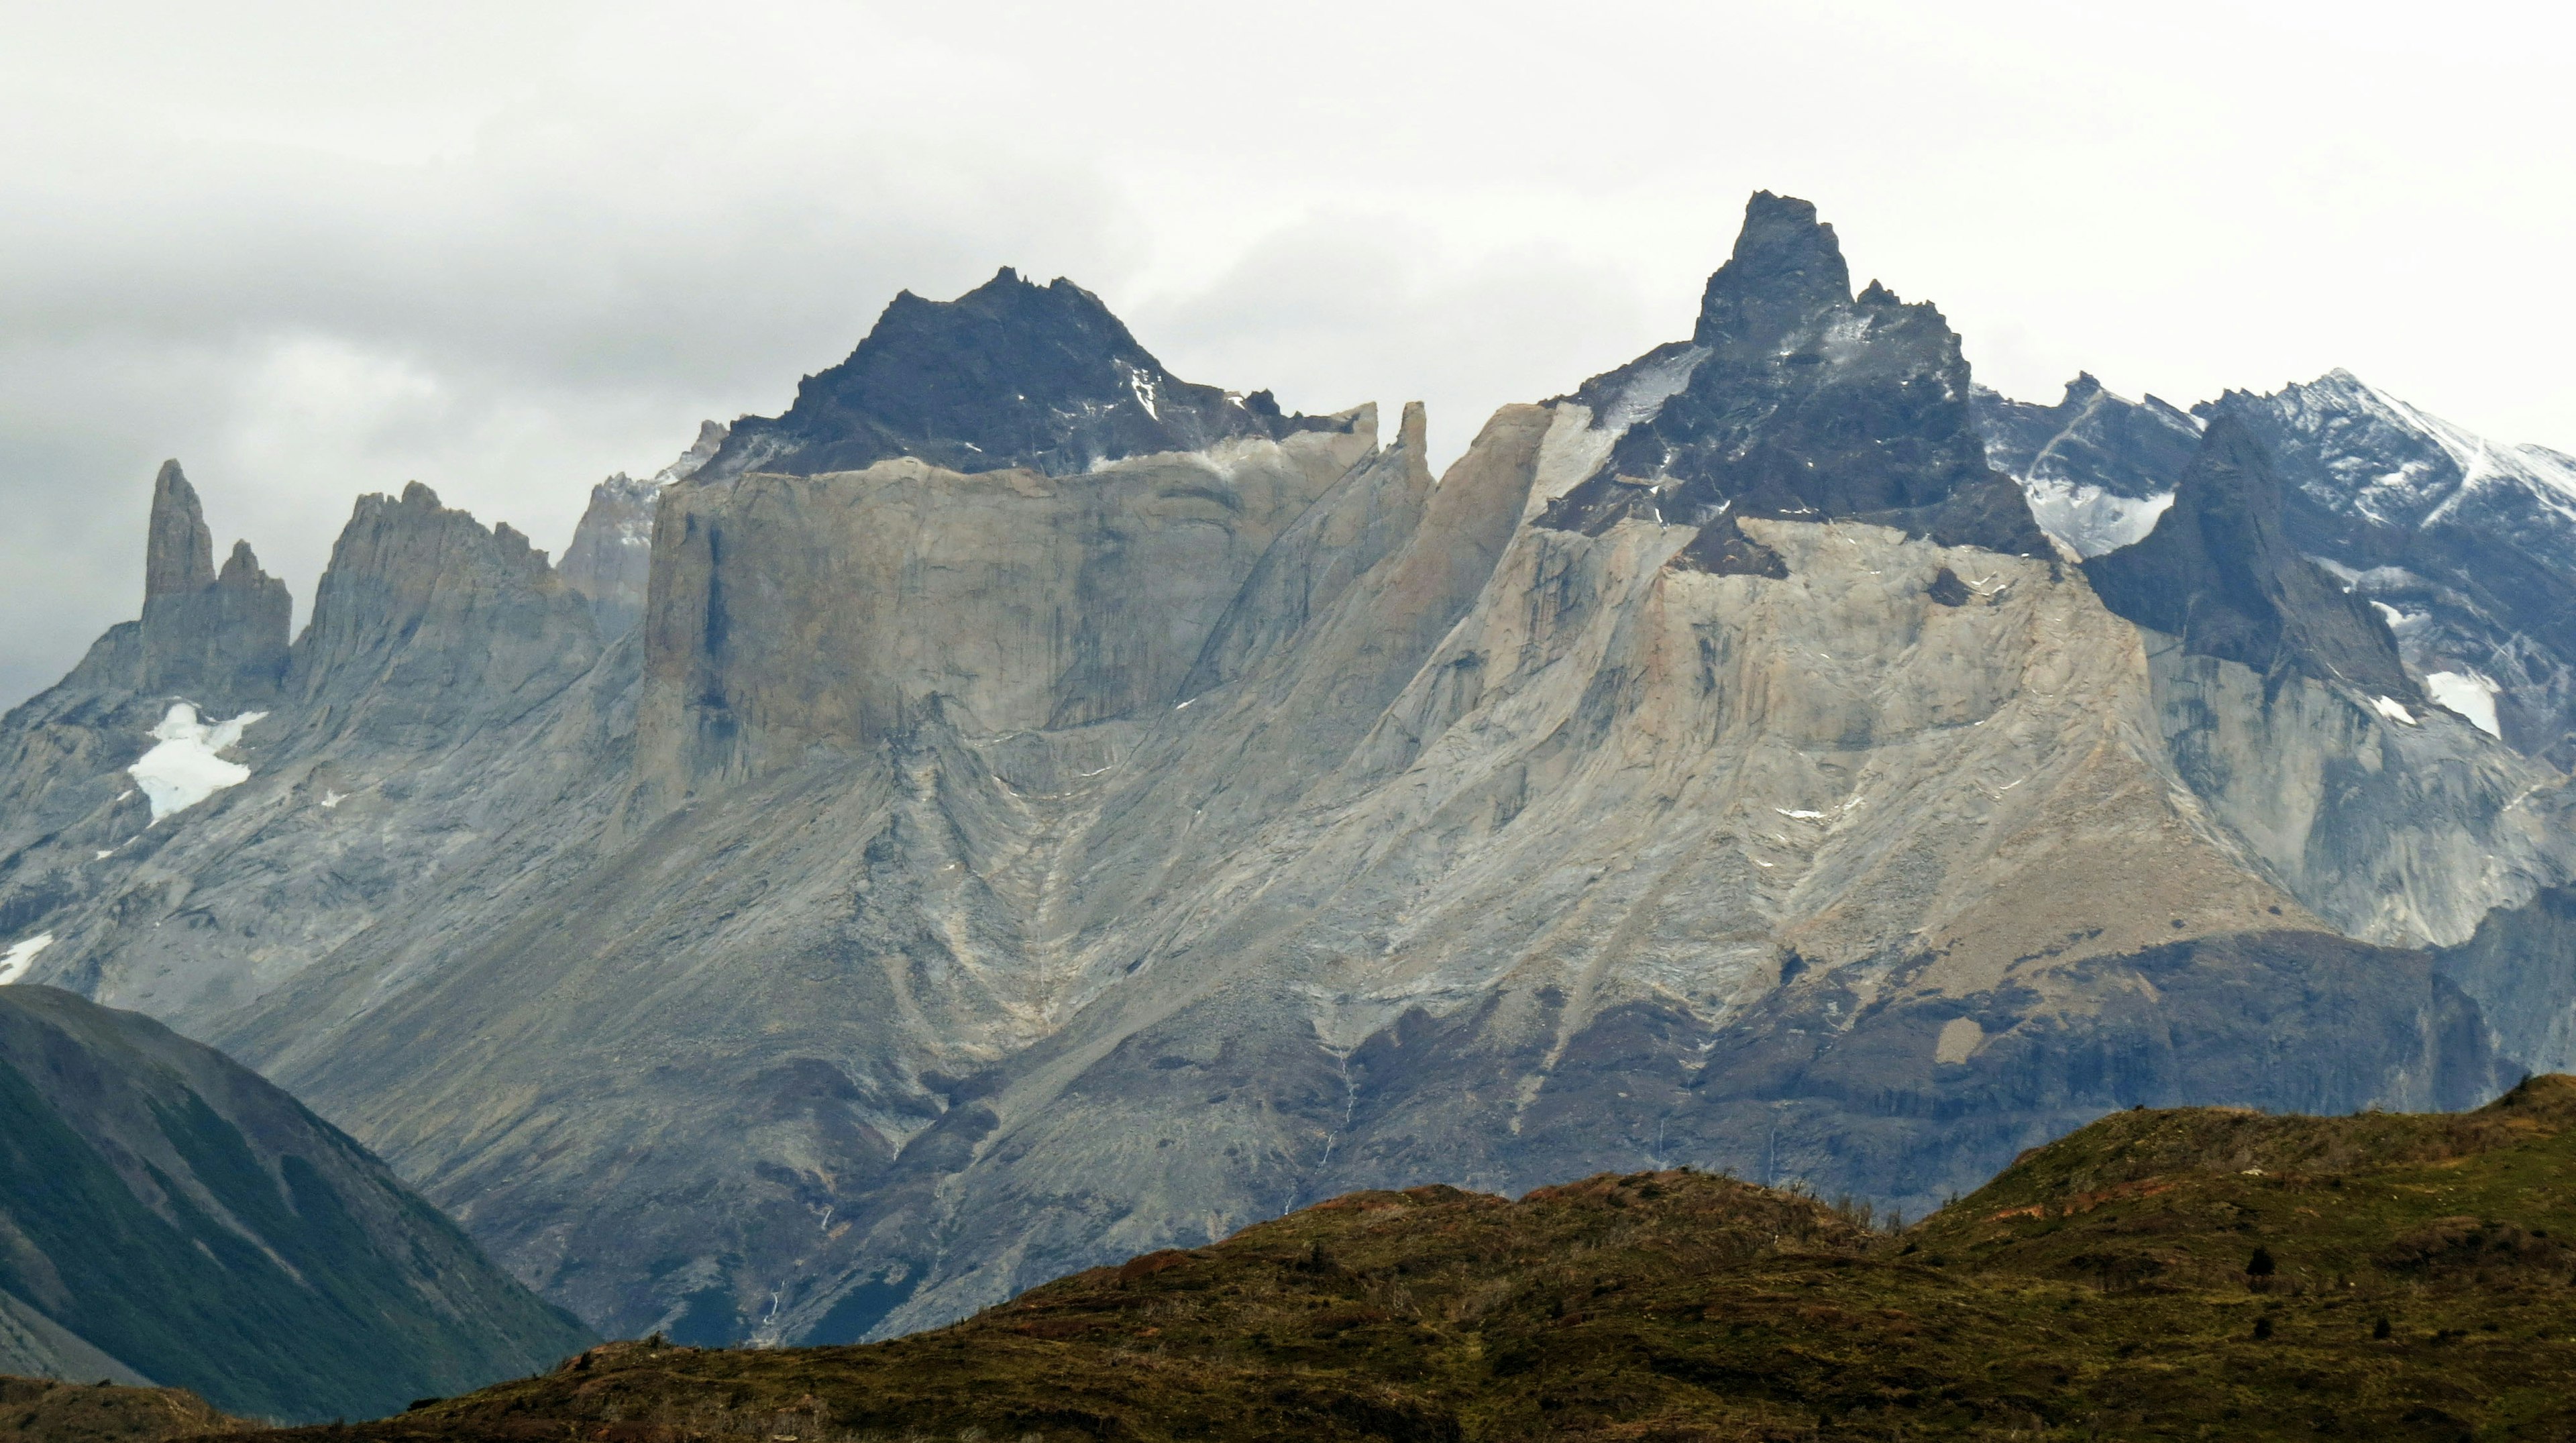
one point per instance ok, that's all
(1024, 831)
(796, 612)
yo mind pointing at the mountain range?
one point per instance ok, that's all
(1019, 809)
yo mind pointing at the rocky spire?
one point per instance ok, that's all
(1787, 266)
(219, 639)
(178, 551)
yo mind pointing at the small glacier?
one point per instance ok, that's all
(21, 955)
(2468, 693)
(188, 766)
(2090, 520)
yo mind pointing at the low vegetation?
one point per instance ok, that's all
(2190, 1274)
(43, 1410)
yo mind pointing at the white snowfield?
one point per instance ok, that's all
(2090, 520)
(21, 955)
(188, 767)
(2468, 693)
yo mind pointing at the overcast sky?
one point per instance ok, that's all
(317, 249)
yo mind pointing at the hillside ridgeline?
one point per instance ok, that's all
(2160, 1273)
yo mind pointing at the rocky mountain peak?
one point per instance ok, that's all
(1794, 400)
(1010, 374)
(2220, 573)
(219, 638)
(179, 553)
(1787, 267)
(428, 624)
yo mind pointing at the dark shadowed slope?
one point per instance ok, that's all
(167, 1209)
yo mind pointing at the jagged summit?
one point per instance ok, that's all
(1008, 374)
(2219, 572)
(1787, 266)
(1796, 399)
(217, 636)
(178, 550)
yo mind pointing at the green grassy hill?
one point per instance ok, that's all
(2177, 1274)
(167, 1215)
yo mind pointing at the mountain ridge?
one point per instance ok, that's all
(962, 874)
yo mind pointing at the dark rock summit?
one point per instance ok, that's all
(1795, 399)
(1010, 374)
(2219, 573)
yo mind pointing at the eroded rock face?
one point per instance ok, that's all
(2219, 573)
(1056, 836)
(2466, 547)
(610, 560)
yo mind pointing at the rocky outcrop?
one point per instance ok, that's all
(1010, 374)
(2467, 546)
(169, 1210)
(449, 692)
(220, 637)
(1795, 399)
(611, 556)
(428, 627)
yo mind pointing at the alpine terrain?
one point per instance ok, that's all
(1018, 809)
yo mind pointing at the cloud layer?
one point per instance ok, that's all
(315, 250)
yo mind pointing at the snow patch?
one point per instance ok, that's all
(187, 767)
(2388, 707)
(15, 961)
(2468, 693)
(2090, 520)
(1800, 816)
(332, 799)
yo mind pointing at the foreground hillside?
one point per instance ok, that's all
(166, 1216)
(2185, 1273)
(44, 1410)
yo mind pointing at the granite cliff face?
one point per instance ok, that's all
(1047, 811)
